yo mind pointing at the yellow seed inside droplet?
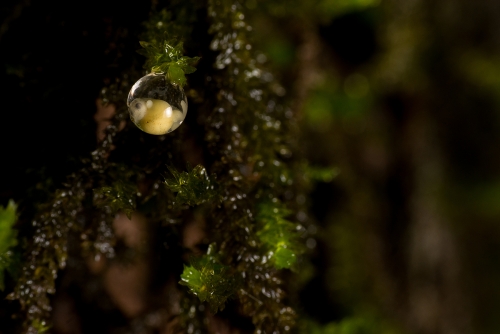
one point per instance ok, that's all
(154, 116)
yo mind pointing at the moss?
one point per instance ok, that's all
(246, 145)
(166, 57)
(278, 235)
(8, 240)
(120, 196)
(209, 280)
(194, 187)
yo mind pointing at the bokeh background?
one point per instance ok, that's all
(399, 98)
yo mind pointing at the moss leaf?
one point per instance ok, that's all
(118, 197)
(211, 281)
(278, 235)
(167, 57)
(194, 187)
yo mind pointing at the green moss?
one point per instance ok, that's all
(40, 327)
(211, 281)
(8, 239)
(278, 235)
(194, 187)
(118, 197)
(166, 57)
(321, 174)
(245, 132)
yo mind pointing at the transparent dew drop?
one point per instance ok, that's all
(157, 106)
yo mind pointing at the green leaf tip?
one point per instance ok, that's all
(278, 235)
(8, 239)
(211, 281)
(167, 57)
(193, 187)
